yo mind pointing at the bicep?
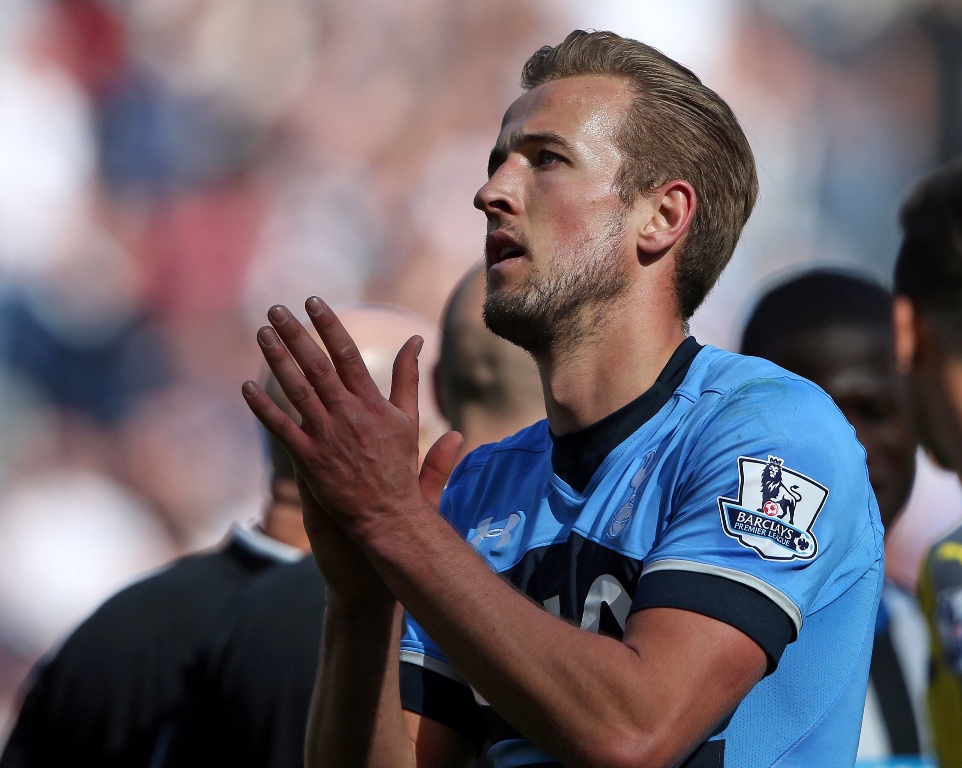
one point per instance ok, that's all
(437, 745)
(698, 669)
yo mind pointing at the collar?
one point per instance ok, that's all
(259, 543)
(575, 457)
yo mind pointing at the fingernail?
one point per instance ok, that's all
(249, 389)
(278, 314)
(418, 346)
(266, 337)
(315, 306)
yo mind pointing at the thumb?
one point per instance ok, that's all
(438, 465)
(404, 380)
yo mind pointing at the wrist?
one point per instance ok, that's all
(384, 533)
(371, 605)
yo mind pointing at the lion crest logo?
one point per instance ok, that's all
(775, 509)
(778, 499)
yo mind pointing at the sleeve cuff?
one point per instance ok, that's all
(717, 597)
(438, 697)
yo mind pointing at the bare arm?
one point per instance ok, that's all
(586, 699)
(356, 717)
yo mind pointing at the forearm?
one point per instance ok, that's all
(356, 718)
(502, 643)
(585, 699)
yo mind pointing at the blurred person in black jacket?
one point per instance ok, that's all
(254, 689)
(102, 698)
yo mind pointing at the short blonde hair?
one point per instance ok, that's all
(676, 128)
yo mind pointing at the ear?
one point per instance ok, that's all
(905, 329)
(668, 212)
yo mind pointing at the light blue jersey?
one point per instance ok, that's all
(733, 489)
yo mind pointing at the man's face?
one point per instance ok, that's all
(935, 375)
(559, 241)
(927, 353)
(856, 367)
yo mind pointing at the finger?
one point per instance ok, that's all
(308, 500)
(438, 464)
(291, 379)
(313, 362)
(275, 421)
(344, 353)
(404, 379)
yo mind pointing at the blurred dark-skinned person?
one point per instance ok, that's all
(103, 697)
(928, 341)
(834, 327)
(254, 691)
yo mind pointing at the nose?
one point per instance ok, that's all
(500, 194)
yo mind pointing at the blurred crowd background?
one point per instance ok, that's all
(169, 169)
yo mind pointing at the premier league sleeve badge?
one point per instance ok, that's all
(775, 510)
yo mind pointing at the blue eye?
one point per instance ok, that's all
(546, 157)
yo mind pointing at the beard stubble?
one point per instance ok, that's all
(548, 312)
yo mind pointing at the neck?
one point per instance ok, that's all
(606, 370)
(283, 521)
(479, 426)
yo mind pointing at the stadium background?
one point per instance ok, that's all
(171, 168)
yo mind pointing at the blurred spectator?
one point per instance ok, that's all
(928, 336)
(103, 696)
(73, 536)
(835, 328)
(252, 685)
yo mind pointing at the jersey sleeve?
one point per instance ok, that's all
(431, 687)
(771, 514)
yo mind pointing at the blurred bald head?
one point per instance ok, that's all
(379, 332)
(487, 387)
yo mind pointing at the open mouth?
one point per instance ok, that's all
(509, 253)
(501, 247)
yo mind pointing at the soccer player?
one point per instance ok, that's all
(928, 336)
(681, 565)
(835, 329)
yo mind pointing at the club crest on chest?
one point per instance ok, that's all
(626, 510)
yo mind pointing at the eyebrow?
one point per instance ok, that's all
(518, 138)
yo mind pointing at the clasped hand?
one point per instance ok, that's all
(354, 451)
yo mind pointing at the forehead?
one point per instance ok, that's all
(592, 105)
(839, 356)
